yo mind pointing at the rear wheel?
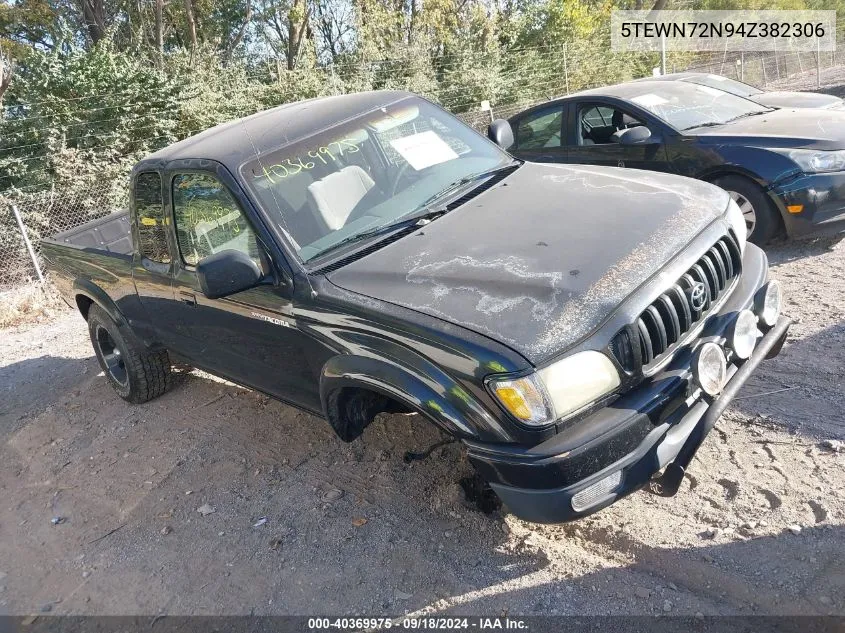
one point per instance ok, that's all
(136, 373)
(762, 221)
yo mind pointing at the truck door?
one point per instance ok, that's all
(249, 337)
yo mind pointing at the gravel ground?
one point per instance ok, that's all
(300, 522)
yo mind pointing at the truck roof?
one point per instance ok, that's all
(234, 142)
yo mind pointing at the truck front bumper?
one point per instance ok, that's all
(646, 440)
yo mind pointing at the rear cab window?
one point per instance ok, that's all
(150, 218)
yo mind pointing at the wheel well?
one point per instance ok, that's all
(84, 305)
(351, 409)
(714, 176)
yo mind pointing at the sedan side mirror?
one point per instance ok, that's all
(227, 272)
(500, 132)
(639, 135)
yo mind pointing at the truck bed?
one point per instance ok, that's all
(110, 234)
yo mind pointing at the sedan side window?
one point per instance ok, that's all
(540, 130)
(209, 220)
(600, 124)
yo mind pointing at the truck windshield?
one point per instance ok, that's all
(366, 173)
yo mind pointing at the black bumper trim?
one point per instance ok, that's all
(554, 505)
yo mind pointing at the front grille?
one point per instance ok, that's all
(688, 301)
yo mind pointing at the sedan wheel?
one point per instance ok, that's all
(762, 219)
(747, 211)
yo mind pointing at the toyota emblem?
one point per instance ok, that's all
(698, 296)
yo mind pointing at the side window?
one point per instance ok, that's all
(149, 213)
(208, 219)
(598, 124)
(540, 130)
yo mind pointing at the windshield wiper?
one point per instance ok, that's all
(717, 123)
(407, 220)
(423, 214)
(747, 114)
(465, 181)
(708, 124)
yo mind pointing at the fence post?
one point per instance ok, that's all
(763, 66)
(818, 63)
(565, 68)
(26, 241)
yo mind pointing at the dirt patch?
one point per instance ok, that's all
(100, 499)
(33, 303)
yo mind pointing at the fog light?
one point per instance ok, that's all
(710, 368)
(743, 334)
(590, 495)
(768, 302)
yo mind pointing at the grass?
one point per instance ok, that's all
(33, 303)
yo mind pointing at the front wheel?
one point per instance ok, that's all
(136, 373)
(762, 221)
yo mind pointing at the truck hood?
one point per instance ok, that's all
(796, 128)
(543, 258)
(788, 99)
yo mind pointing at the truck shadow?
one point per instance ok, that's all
(801, 389)
(31, 385)
(746, 575)
(783, 251)
(352, 526)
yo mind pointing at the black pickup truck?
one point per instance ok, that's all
(578, 329)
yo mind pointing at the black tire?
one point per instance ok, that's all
(766, 219)
(136, 373)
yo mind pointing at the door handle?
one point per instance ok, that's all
(188, 297)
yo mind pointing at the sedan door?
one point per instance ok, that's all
(538, 135)
(593, 133)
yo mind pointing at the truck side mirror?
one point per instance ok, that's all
(227, 272)
(500, 132)
(639, 135)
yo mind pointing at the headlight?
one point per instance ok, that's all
(737, 222)
(559, 389)
(815, 161)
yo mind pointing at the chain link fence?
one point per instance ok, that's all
(33, 215)
(29, 217)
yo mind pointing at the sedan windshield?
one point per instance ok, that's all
(723, 83)
(685, 106)
(347, 181)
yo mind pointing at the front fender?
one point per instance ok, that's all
(759, 164)
(424, 389)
